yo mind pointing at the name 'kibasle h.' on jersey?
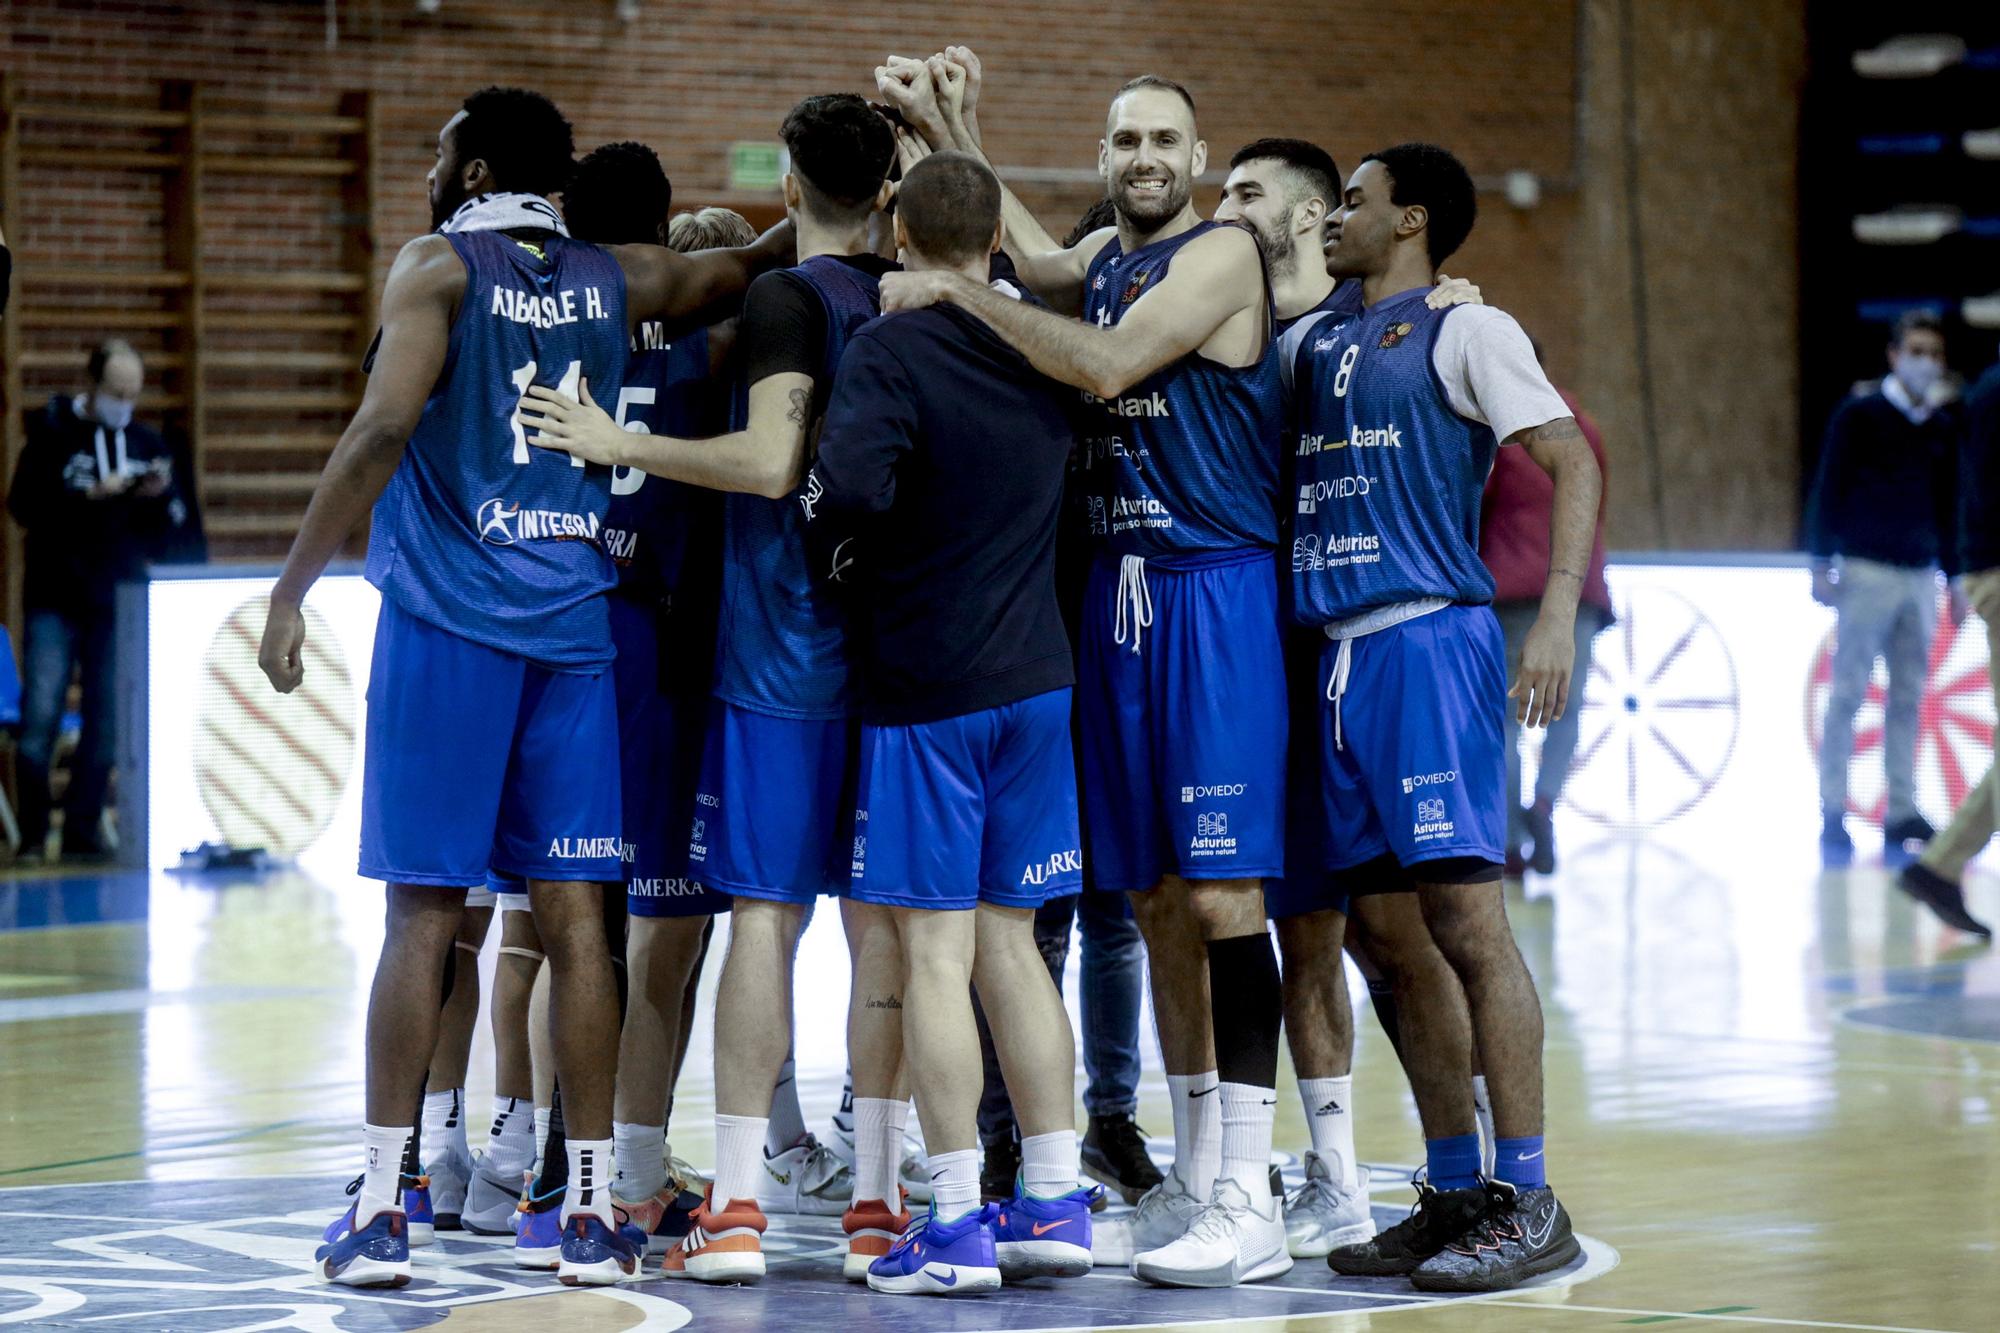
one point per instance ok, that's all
(783, 644)
(478, 532)
(1389, 476)
(1186, 460)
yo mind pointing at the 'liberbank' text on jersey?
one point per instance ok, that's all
(1388, 475)
(667, 391)
(782, 648)
(478, 533)
(1186, 460)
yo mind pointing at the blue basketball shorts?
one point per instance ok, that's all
(1412, 758)
(1182, 692)
(1306, 885)
(774, 811)
(971, 809)
(661, 737)
(480, 760)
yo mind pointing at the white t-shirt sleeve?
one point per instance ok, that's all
(1490, 373)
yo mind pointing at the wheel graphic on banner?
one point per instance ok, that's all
(271, 768)
(1661, 711)
(1954, 723)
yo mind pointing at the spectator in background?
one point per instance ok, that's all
(100, 495)
(1936, 878)
(1514, 543)
(1880, 521)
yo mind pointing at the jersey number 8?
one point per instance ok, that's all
(1346, 371)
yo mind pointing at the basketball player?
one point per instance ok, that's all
(940, 475)
(1284, 190)
(492, 651)
(1181, 673)
(1398, 411)
(771, 821)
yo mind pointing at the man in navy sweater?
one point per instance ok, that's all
(1881, 520)
(935, 498)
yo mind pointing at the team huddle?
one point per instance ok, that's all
(907, 557)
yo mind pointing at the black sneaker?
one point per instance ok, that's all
(1911, 828)
(1541, 825)
(1439, 1218)
(1114, 1154)
(1524, 1234)
(1942, 897)
(999, 1165)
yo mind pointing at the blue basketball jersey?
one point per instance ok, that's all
(1344, 299)
(782, 648)
(1389, 476)
(667, 391)
(1186, 460)
(478, 532)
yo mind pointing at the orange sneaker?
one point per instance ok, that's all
(722, 1245)
(871, 1229)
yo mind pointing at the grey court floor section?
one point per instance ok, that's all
(236, 1255)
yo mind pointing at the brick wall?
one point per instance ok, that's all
(1716, 86)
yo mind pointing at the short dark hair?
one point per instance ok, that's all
(1921, 320)
(1096, 218)
(525, 141)
(620, 195)
(1423, 173)
(841, 151)
(950, 204)
(1312, 163)
(1156, 81)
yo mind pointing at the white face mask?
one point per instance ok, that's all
(1919, 374)
(113, 412)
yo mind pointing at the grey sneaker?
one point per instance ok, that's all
(1319, 1216)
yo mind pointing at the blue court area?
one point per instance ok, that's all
(230, 1256)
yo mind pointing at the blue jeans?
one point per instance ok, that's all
(1113, 958)
(56, 642)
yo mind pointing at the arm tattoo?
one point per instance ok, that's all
(796, 414)
(1563, 428)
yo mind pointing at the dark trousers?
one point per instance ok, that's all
(56, 642)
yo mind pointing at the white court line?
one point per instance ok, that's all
(1508, 1299)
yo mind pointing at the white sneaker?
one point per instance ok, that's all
(1234, 1240)
(451, 1177)
(806, 1178)
(1162, 1215)
(490, 1196)
(1319, 1218)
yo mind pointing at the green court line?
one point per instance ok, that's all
(1669, 1318)
(143, 1152)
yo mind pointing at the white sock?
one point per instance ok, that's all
(788, 1122)
(382, 1149)
(1246, 1117)
(843, 1119)
(878, 1148)
(1482, 1110)
(510, 1143)
(444, 1124)
(640, 1158)
(1329, 1104)
(541, 1138)
(589, 1189)
(954, 1181)
(739, 1158)
(1197, 1130)
(1048, 1164)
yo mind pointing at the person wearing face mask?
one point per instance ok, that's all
(1880, 523)
(100, 495)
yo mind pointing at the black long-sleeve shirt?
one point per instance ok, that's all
(940, 475)
(79, 548)
(1887, 486)
(1979, 477)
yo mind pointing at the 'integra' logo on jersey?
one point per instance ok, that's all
(621, 544)
(1395, 333)
(1140, 405)
(501, 524)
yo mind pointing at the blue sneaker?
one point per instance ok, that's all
(538, 1235)
(417, 1207)
(1045, 1237)
(377, 1255)
(933, 1258)
(597, 1254)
